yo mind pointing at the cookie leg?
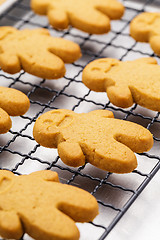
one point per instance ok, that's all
(81, 207)
(155, 44)
(5, 121)
(146, 97)
(9, 63)
(120, 97)
(47, 222)
(71, 154)
(102, 113)
(10, 225)
(43, 64)
(114, 157)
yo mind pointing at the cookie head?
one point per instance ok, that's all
(95, 137)
(146, 28)
(12, 103)
(51, 125)
(98, 70)
(94, 19)
(39, 205)
(44, 59)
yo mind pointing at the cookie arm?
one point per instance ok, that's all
(40, 6)
(5, 31)
(46, 175)
(149, 60)
(10, 225)
(71, 154)
(58, 18)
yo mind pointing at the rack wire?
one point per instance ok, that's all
(20, 153)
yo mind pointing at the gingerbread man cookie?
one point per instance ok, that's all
(89, 16)
(36, 52)
(96, 137)
(37, 204)
(127, 82)
(12, 103)
(146, 28)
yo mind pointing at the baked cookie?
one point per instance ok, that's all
(127, 82)
(37, 204)
(2, 1)
(146, 28)
(12, 103)
(36, 52)
(89, 16)
(96, 137)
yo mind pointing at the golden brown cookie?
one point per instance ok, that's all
(35, 51)
(5, 121)
(13, 103)
(2, 1)
(127, 82)
(89, 16)
(37, 204)
(146, 28)
(96, 137)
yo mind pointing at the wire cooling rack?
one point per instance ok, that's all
(22, 155)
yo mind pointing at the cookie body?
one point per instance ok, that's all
(127, 82)
(36, 52)
(96, 137)
(146, 28)
(89, 16)
(38, 204)
(12, 103)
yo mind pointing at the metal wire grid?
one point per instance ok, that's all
(21, 154)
